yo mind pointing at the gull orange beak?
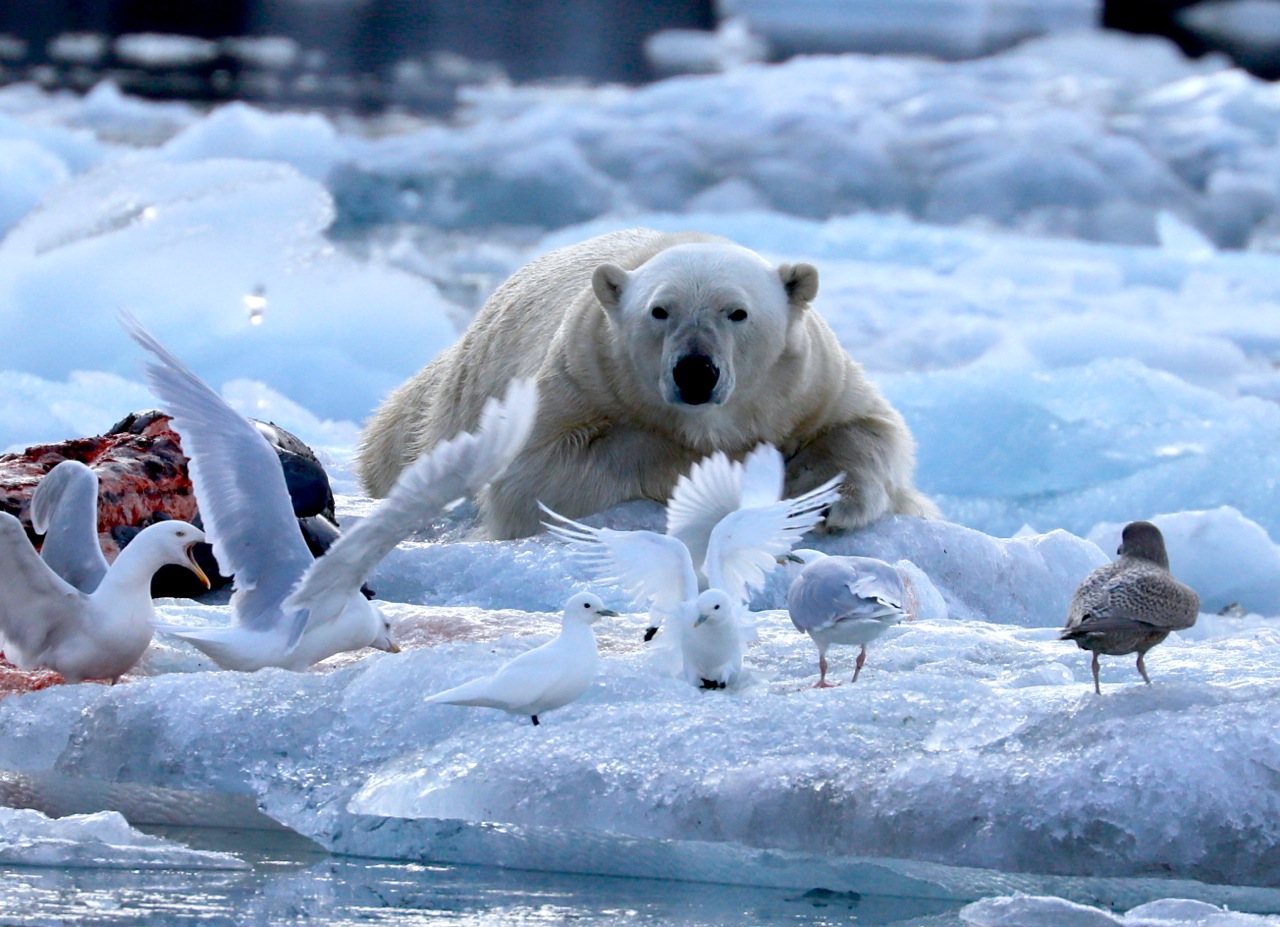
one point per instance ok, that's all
(195, 567)
(393, 647)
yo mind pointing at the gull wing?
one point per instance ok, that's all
(524, 680)
(745, 545)
(652, 568)
(35, 603)
(454, 468)
(877, 580)
(763, 474)
(701, 498)
(840, 589)
(1144, 601)
(239, 486)
(64, 508)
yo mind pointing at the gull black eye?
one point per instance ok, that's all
(182, 534)
(738, 315)
(586, 604)
(658, 312)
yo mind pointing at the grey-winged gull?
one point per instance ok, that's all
(45, 621)
(292, 609)
(1132, 604)
(845, 600)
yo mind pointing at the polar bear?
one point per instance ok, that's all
(652, 350)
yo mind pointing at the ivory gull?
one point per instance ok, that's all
(546, 677)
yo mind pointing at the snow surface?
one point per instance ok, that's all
(1058, 387)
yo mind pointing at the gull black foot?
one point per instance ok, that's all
(648, 634)
(536, 722)
(712, 684)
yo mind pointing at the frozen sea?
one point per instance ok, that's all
(1059, 262)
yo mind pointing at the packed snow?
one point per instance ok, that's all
(1058, 387)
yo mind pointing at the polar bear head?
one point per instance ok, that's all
(699, 317)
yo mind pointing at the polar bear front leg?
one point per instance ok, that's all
(877, 457)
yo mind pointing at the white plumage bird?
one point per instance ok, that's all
(546, 677)
(845, 600)
(291, 609)
(64, 508)
(741, 547)
(45, 621)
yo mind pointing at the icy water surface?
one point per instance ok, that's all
(294, 882)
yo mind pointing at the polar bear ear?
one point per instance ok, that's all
(800, 281)
(608, 281)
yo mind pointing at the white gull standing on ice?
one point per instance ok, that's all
(845, 600)
(45, 621)
(658, 569)
(292, 609)
(546, 677)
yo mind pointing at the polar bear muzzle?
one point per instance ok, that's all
(695, 376)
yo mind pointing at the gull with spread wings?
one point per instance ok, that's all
(741, 546)
(292, 609)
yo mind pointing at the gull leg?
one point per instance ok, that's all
(1142, 668)
(822, 671)
(857, 667)
(1097, 687)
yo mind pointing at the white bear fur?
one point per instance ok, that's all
(611, 423)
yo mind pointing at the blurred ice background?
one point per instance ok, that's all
(1056, 248)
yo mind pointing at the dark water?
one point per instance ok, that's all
(293, 882)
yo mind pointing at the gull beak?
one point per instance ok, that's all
(699, 620)
(607, 613)
(393, 647)
(789, 558)
(195, 567)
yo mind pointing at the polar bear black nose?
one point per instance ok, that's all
(695, 377)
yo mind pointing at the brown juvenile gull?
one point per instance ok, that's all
(1130, 605)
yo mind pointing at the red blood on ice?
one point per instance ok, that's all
(14, 680)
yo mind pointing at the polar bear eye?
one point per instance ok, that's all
(738, 315)
(658, 312)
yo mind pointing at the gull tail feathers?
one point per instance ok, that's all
(474, 693)
(215, 643)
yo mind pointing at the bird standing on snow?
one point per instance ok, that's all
(1130, 605)
(292, 609)
(546, 677)
(711, 647)
(845, 600)
(45, 621)
(741, 547)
